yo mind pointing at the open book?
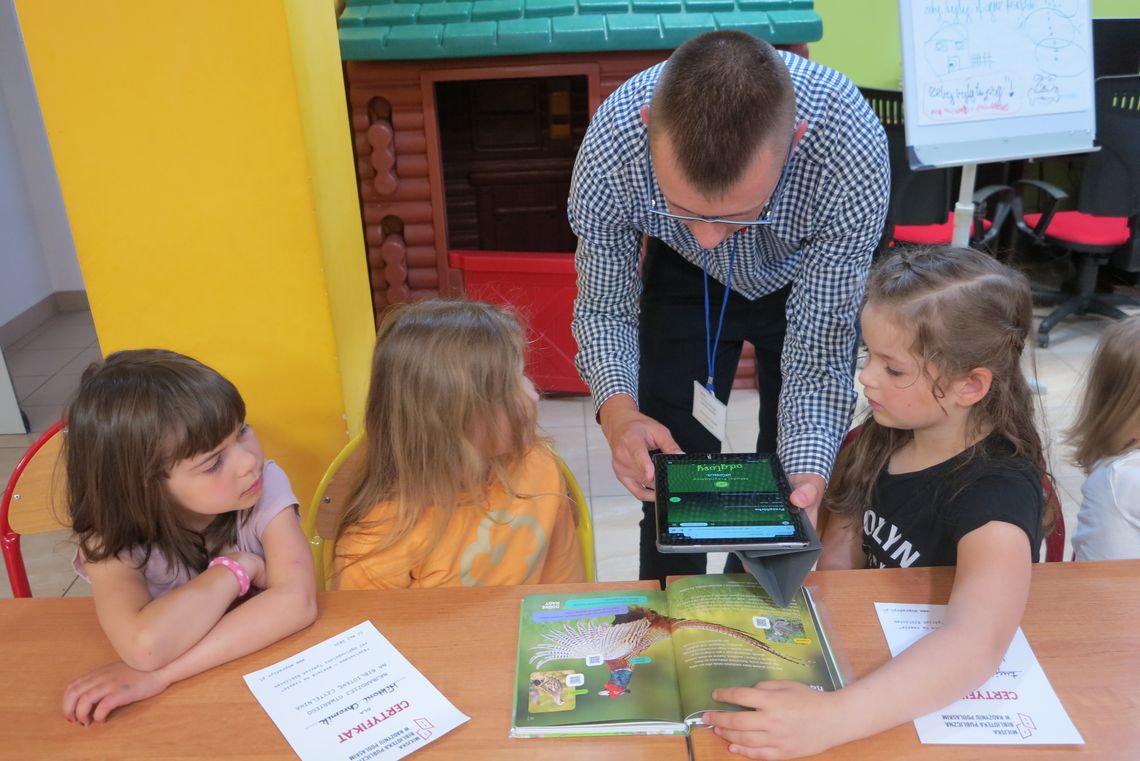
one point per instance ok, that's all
(646, 662)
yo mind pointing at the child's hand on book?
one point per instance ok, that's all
(788, 720)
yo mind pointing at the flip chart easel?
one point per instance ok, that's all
(994, 80)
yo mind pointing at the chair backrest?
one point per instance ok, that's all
(320, 519)
(1055, 541)
(1110, 185)
(34, 502)
(917, 197)
(585, 521)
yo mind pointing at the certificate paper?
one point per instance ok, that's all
(1016, 706)
(353, 698)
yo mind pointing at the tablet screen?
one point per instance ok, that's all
(723, 500)
(753, 476)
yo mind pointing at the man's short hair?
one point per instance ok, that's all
(721, 96)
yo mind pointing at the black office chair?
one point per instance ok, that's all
(1103, 228)
(922, 201)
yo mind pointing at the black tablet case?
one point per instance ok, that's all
(782, 571)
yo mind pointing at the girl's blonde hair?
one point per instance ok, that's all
(967, 310)
(446, 419)
(1110, 412)
(135, 415)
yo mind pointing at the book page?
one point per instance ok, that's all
(727, 632)
(594, 660)
(353, 697)
(1016, 706)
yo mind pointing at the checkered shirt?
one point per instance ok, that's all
(826, 223)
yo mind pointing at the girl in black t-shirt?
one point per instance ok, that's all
(946, 470)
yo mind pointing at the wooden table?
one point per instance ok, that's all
(1083, 622)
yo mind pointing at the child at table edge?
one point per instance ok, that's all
(456, 488)
(178, 515)
(946, 470)
(1106, 440)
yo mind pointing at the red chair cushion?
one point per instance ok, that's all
(1089, 229)
(931, 235)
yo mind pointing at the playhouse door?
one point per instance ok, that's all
(508, 148)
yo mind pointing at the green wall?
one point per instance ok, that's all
(861, 37)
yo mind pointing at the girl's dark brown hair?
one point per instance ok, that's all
(135, 415)
(967, 310)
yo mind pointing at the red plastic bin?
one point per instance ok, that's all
(541, 287)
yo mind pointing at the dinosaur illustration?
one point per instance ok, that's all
(630, 635)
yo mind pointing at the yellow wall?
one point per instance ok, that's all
(203, 153)
(328, 142)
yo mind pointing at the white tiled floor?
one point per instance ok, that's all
(45, 367)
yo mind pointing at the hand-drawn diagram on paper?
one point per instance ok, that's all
(987, 59)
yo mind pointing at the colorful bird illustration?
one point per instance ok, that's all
(630, 635)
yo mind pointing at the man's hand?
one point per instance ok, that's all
(807, 493)
(631, 435)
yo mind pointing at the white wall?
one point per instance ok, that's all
(37, 254)
(24, 278)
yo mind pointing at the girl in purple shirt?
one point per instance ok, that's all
(178, 515)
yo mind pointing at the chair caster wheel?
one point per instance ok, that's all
(1043, 341)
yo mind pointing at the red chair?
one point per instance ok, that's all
(33, 503)
(921, 203)
(1054, 542)
(1102, 230)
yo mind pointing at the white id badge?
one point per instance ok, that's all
(710, 411)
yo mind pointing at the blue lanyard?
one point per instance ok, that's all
(710, 345)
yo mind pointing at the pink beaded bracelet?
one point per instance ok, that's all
(236, 569)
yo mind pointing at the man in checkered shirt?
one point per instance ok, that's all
(768, 172)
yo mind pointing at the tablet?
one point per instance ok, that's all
(724, 502)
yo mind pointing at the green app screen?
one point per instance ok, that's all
(728, 500)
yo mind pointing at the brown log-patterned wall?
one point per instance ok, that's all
(395, 193)
(407, 256)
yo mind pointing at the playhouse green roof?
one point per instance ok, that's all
(386, 30)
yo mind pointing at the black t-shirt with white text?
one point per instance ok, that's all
(916, 519)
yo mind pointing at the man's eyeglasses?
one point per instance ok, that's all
(765, 217)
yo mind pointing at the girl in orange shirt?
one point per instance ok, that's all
(456, 487)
